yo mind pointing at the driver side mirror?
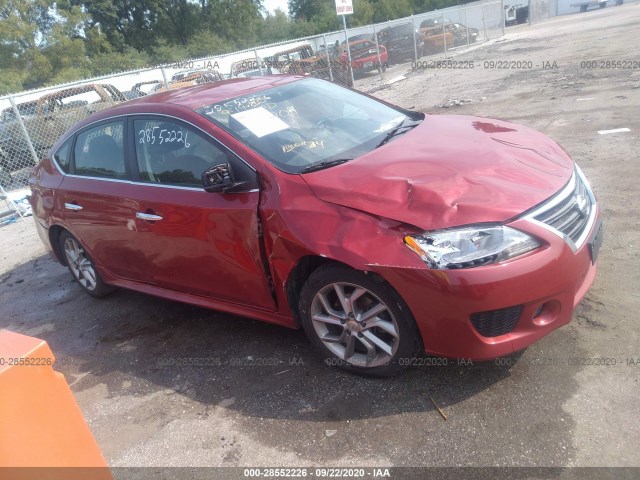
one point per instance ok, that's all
(218, 179)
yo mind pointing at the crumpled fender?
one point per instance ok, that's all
(297, 224)
(448, 171)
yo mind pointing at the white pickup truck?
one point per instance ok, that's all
(593, 3)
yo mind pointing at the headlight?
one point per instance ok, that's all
(470, 246)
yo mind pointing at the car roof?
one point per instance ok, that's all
(293, 50)
(213, 92)
(190, 97)
(70, 92)
(399, 26)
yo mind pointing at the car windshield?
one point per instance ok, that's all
(308, 123)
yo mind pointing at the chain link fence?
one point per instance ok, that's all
(32, 121)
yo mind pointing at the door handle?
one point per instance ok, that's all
(72, 206)
(148, 216)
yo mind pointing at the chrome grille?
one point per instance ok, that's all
(570, 213)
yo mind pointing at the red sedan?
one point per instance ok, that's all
(364, 56)
(380, 231)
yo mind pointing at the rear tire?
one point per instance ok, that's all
(82, 267)
(358, 322)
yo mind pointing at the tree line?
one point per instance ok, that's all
(44, 43)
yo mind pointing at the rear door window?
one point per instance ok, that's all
(63, 154)
(99, 151)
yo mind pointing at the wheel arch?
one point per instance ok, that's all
(54, 239)
(299, 274)
(376, 285)
(308, 264)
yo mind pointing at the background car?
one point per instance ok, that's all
(302, 60)
(252, 67)
(14, 150)
(49, 117)
(461, 35)
(25, 109)
(355, 38)
(365, 56)
(401, 42)
(142, 88)
(195, 78)
(15, 156)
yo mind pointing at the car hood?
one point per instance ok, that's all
(450, 170)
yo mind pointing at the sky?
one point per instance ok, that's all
(271, 5)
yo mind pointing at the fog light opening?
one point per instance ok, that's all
(546, 313)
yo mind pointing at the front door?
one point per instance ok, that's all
(195, 242)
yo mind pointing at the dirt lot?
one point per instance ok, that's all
(295, 411)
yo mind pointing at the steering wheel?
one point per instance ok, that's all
(291, 135)
(323, 123)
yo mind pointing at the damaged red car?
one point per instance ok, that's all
(382, 232)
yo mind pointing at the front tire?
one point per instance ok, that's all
(82, 267)
(357, 321)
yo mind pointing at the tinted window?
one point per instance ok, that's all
(172, 153)
(63, 154)
(99, 151)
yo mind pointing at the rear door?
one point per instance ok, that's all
(192, 241)
(94, 199)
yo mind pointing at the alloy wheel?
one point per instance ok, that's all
(79, 264)
(355, 325)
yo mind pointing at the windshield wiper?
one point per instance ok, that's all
(324, 164)
(395, 130)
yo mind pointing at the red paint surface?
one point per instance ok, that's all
(364, 59)
(449, 171)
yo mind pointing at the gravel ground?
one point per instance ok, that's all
(535, 410)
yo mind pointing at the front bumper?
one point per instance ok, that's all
(367, 64)
(548, 283)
